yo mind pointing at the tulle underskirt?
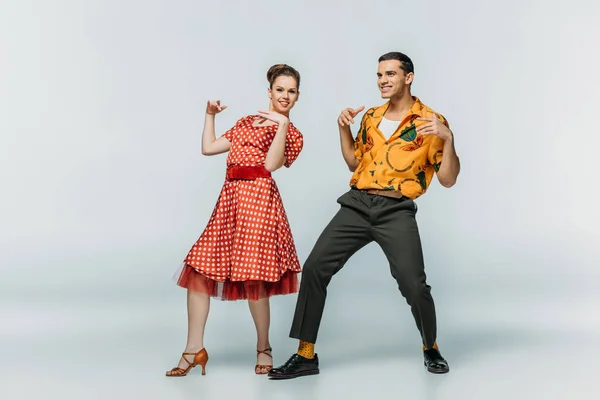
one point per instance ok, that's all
(190, 278)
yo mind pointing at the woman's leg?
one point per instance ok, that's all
(198, 306)
(261, 314)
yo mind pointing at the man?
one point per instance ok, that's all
(397, 149)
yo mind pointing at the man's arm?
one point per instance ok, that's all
(450, 166)
(347, 144)
(346, 139)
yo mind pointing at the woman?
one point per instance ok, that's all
(247, 251)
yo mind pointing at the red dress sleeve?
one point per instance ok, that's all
(294, 143)
(231, 132)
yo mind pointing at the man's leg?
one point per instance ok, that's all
(395, 230)
(346, 233)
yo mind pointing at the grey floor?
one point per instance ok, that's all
(503, 341)
(104, 190)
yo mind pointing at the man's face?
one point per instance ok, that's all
(392, 80)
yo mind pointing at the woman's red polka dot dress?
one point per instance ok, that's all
(247, 250)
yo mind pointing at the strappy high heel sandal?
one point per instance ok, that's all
(200, 358)
(263, 369)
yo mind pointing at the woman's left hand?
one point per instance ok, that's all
(274, 116)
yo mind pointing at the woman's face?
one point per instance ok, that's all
(283, 94)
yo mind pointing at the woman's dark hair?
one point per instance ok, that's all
(282, 69)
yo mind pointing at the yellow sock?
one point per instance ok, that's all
(435, 346)
(306, 350)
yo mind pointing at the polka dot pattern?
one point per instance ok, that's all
(248, 235)
(250, 144)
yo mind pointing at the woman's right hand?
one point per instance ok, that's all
(214, 107)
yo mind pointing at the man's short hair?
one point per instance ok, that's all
(405, 62)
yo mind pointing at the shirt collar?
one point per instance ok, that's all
(418, 109)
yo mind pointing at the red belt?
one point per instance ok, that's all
(247, 173)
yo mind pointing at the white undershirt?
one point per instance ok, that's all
(388, 127)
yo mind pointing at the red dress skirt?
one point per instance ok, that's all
(247, 250)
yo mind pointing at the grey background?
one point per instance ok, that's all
(104, 190)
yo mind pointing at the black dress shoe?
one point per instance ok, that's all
(296, 366)
(434, 362)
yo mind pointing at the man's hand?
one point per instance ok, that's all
(347, 116)
(436, 127)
